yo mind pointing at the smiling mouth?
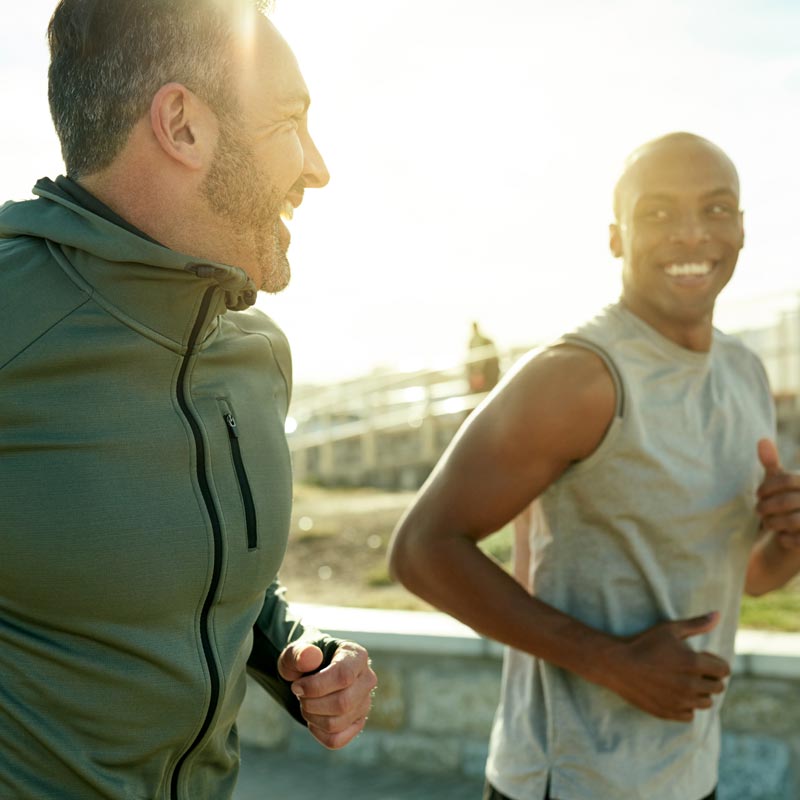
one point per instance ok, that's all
(284, 237)
(690, 269)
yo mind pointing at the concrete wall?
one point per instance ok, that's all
(439, 684)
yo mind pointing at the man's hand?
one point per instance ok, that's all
(336, 700)
(779, 498)
(775, 558)
(659, 673)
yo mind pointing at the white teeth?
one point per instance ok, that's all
(678, 270)
(287, 210)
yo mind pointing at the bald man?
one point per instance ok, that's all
(639, 452)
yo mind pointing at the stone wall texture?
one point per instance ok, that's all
(433, 713)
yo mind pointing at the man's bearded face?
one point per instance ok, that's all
(241, 192)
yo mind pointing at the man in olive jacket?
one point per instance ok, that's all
(145, 480)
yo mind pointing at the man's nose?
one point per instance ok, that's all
(690, 229)
(315, 173)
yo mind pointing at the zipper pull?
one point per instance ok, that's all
(231, 423)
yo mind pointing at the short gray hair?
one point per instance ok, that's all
(109, 57)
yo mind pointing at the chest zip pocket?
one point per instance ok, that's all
(241, 476)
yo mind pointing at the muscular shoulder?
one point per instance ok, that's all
(560, 400)
(551, 410)
(573, 375)
(565, 376)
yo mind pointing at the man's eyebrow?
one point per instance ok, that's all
(666, 198)
(722, 191)
(299, 99)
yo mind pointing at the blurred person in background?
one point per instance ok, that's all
(483, 365)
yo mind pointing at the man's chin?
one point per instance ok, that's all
(275, 276)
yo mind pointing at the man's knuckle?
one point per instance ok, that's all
(327, 725)
(684, 682)
(326, 740)
(350, 673)
(339, 738)
(694, 661)
(343, 671)
(339, 704)
(779, 504)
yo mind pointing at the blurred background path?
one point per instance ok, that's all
(271, 775)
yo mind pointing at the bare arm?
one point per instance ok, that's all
(551, 411)
(775, 558)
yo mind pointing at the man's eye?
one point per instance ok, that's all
(656, 215)
(719, 210)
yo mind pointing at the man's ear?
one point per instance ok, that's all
(184, 126)
(741, 228)
(615, 240)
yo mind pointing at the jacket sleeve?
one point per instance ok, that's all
(275, 628)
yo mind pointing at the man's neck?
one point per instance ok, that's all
(696, 334)
(81, 195)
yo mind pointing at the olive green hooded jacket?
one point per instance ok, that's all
(145, 496)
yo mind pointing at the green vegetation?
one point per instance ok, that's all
(776, 611)
(499, 545)
(378, 576)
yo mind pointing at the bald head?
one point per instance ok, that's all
(680, 146)
(678, 231)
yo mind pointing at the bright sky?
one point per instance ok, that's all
(473, 147)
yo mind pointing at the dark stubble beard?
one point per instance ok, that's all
(241, 193)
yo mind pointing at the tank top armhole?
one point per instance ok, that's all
(619, 408)
(619, 391)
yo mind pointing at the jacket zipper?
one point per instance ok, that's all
(241, 476)
(205, 490)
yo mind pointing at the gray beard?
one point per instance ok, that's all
(273, 260)
(242, 195)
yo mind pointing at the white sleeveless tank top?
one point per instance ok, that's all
(657, 524)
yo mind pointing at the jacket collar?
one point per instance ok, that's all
(131, 275)
(84, 198)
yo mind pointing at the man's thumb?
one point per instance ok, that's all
(769, 457)
(697, 625)
(299, 659)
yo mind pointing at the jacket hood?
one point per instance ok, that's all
(60, 220)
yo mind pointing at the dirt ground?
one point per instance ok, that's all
(337, 548)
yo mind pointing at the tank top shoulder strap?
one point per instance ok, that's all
(580, 341)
